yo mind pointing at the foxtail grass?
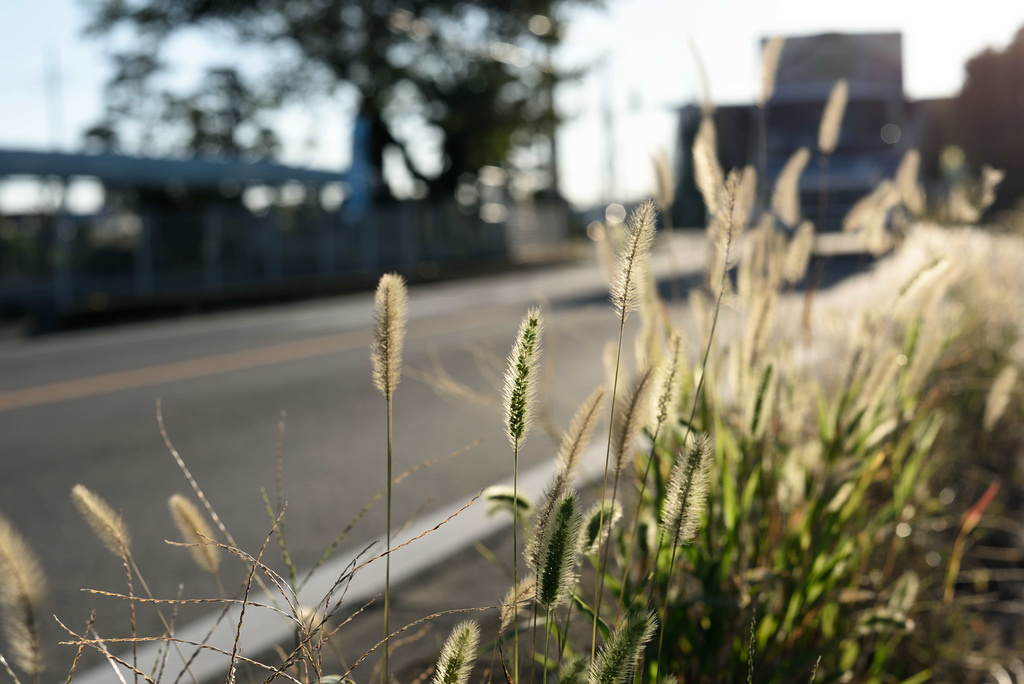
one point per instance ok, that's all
(519, 396)
(457, 655)
(770, 54)
(198, 534)
(786, 195)
(21, 591)
(832, 117)
(633, 261)
(574, 441)
(670, 387)
(389, 314)
(615, 661)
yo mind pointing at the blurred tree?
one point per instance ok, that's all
(476, 75)
(988, 114)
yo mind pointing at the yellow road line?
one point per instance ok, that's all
(181, 370)
(117, 381)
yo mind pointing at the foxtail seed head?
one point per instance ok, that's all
(786, 196)
(390, 306)
(107, 524)
(670, 378)
(195, 531)
(573, 671)
(832, 117)
(458, 654)
(573, 443)
(559, 548)
(21, 591)
(687, 492)
(615, 661)
(524, 592)
(707, 171)
(521, 377)
(999, 396)
(633, 414)
(769, 67)
(597, 524)
(625, 294)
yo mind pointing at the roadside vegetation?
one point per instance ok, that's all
(787, 496)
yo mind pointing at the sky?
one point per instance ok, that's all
(51, 75)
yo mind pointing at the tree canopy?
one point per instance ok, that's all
(475, 75)
(988, 114)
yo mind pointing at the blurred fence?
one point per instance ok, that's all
(57, 265)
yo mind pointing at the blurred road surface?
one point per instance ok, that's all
(80, 407)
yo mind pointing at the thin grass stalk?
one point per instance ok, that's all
(604, 488)
(387, 560)
(624, 297)
(633, 418)
(515, 559)
(390, 304)
(671, 382)
(547, 640)
(519, 391)
(730, 198)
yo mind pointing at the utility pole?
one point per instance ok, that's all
(608, 119)
(53, 82)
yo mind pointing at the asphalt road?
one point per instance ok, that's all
(80, 408)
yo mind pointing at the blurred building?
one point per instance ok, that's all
(878, 127)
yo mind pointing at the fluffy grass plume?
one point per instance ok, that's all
(573, 671)
(798, 252)
(633, 257)
(573, 443)
(597, 523)
(769, 68)
(195, 531)
(556, 572)
(107, 524)
(687, 492)
(707, 105)
(458, 654)
(664, 181)
(515, 600)
(786, 196)
(999, 396)
(832, 117)
(21, 591)
(390, 306)
(521, 377)
(746, 196)
(670, 382)
(911, 193)
(615, 661)
(707, 171)
(633, 415)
